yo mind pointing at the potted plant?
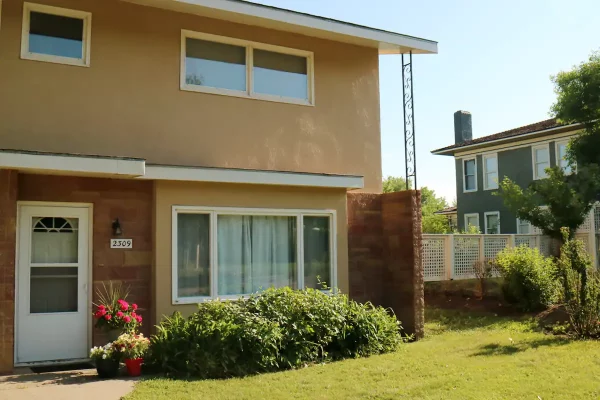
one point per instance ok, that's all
(133, 347)
(114, 314)
(107, 360)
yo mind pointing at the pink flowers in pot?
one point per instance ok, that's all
(120, 315)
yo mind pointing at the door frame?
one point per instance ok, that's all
(90, 208)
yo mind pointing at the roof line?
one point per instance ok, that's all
(451, 149)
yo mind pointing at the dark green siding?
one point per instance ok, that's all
(516, 164)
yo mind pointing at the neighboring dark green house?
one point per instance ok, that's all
(522, 154)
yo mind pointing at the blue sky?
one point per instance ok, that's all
(495, 60)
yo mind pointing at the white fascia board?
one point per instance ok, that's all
(388, 42)
(71, 163)
(221, 175)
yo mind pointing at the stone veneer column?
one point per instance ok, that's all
(8, 223)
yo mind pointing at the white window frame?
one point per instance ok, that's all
(464, 174)
(485, 172)
(485, 221)
(557, 156)
(63, 12)
(214, 212)
(530, 229)
(466, 218)
(534, 160)
(249, 46)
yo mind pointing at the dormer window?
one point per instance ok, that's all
(56, 35)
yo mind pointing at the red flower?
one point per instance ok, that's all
(127, 319)
(138, 319)
(134, 306)
(100, 313)
(133, 314)
(107, 317)
(101, 307)
(119, 314)
(124, 305)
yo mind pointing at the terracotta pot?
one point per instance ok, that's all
(107, 368)
(134, 366)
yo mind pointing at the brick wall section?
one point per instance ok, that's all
(130, 201)
(8, 223)
(404, 284)
(384, 242)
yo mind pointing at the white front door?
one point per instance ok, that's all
(52, 283)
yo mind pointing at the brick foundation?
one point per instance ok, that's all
(130, 201)
(8, 222)
(384, 242)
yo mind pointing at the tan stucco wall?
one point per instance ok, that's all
(128, 102)
(168, 194)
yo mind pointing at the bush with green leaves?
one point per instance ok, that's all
(529, 278)
(275, 330)
(580, 288)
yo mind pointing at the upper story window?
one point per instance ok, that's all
(523, 227)
(492, 223)
(57, 35)
(469, 175)
(490, 171)
(541, 161)
(561, 157)
(227, 66)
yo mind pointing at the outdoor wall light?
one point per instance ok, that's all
(116, 227)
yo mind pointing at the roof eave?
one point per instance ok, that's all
(286, 20)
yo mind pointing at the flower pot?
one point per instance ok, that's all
(107, 368)
(134, 366)
(113, 334)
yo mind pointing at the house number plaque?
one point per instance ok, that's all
(121, 243)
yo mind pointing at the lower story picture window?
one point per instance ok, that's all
(255, 252)
(223, 253)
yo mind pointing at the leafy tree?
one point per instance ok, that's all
(430, 203)
(564, 200)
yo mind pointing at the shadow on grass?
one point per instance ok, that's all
(497, 349)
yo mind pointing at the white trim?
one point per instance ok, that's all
(291, 21)
(485, 222)
(464, 174)
(68, 163)
(64, 12)
(89, 285)
(251, 177)
(515, 138)
(485, 172)
(214, 212)
(545, 146)
(466, 219)
(249, 47)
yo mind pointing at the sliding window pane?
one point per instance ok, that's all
(255, 253)
(317, 252)
(280, 74)
(193, 255)
(56, 35)
(215, 65)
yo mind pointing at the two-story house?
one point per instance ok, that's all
(521, 154)
(190, 149)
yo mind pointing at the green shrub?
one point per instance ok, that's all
(580, 289)
(274, 330)
(220, 340)
(528, 278)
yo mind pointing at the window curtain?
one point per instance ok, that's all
(193, 255)
(255, 253)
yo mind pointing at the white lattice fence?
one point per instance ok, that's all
(526, 240)
(434, 258)
(466, 253)
(494, 244)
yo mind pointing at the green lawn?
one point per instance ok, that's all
(462, 357)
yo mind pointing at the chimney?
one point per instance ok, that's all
(463, 130)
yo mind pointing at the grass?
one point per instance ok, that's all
(462, 357)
